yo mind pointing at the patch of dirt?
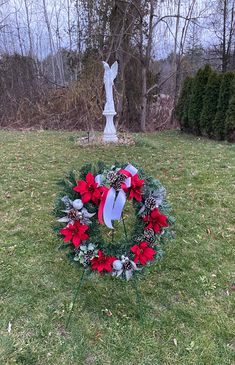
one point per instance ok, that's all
(123, 139)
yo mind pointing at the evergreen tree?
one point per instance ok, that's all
(197, 97)
(230, 118)
(183, 100)
(223, 103)
(184, 122)
(210, 103)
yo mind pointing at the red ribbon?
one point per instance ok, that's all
(125, 172)
(102, 203)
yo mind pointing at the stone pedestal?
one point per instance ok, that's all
(110, 133)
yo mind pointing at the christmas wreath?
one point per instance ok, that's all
(97, 200)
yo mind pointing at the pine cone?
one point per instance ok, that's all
(72, 214)
(112, 176)
(121, 177)
(150, 203)
(150, 240)
(127, 265)
(90, 253)
(86, 260)
(117, 183)
(149, 235)
(87, 257)
(139, 238)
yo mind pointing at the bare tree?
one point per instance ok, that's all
(223, 22)
(26, 5)
(18, 27)
(145, 61)
(69, 26)
(58, 56)
(50, 39)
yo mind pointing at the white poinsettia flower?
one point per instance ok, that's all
(155, 199)
(73, 213)
(124, 266)
(86, 253)
(91, 247)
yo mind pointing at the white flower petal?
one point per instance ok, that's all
(119, 273)
(129, 274)
(63, 220)
(134, 265)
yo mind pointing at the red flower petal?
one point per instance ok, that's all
(67, 233)
(155, 213)
(86, 197)
(156, 227)
(102, 262)
(81, 186)
(146, 218)
(138, 196)
(85, 236)
(143, 244)
(163, 221)
(96, 194)
(90, 179)
(135, 249)
(131, 195)
(143, 260)
(149, 252)
(143, 253)
(135, 188)
(76, 240)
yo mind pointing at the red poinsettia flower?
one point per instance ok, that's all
(143, 253)
(89, 189)
(135, 188)
(75, 232)
(156, 220)
(102, 262)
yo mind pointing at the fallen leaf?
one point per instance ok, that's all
(107, 312)
(9, 327)
(208, 231)
(175, 342)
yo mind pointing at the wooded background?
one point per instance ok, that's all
(51, 73)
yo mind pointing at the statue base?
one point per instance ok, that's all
(110, 133)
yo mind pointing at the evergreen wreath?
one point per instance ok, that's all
(98, 198)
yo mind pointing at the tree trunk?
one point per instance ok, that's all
(18, 31)
(78, 41)
(69, 25)
(145, 66)
(144, 100)
(28, 28)
(120, 22)
(224, 53)
(175, 63)
(50, 40)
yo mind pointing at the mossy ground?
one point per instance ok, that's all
(188, 304)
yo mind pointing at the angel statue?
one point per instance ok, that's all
(110, 73)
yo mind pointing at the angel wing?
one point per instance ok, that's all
(110, 72)
(106, 71)
(106, 66)
(114, 70)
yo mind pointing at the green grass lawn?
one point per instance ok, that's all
(187, 300)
